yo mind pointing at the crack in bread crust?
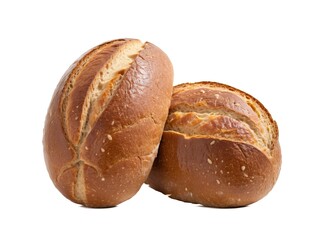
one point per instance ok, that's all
(79, 187)
(72, 75)
(73, 164)
(123, 127)
(105, 85)
(261, 125)
(204, 120)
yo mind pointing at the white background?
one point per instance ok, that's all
(270, 49)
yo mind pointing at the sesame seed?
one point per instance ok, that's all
(112, 122)
(202, 91)
(246, 175)
(218, 182)
(228, 183)
(102, 150)
(86, 148)
(186, 189)
(243, 168)
(221, 171)
(209, 161)
(217, 95)
(212, 142)
(239, 199)
(76, 118)
(103, 179)
(109, 137)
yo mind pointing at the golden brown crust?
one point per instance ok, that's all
(105, 122)
(216, 99)
(220, 147)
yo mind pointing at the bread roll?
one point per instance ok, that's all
(220, 147)
(105, 122)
